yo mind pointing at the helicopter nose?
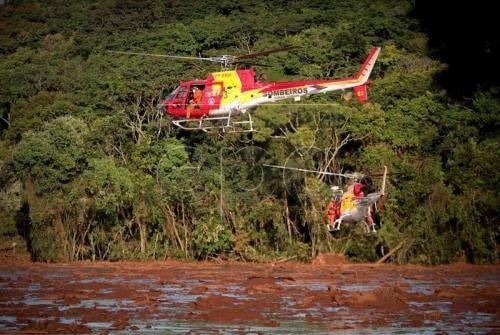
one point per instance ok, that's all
(163, 106)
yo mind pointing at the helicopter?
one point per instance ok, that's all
(228, 94)
(352, 206)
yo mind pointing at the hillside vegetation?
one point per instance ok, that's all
(90, 169)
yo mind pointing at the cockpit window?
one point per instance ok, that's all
(171, 95)
(181, 92)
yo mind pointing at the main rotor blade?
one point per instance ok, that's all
(347, 175)
(264, 53)
(161, 55)
(251, 63)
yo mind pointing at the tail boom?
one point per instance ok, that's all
(282, 90)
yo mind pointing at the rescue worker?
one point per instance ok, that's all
(196, 95)
(358, 193)
(333, 207)
(331, 212)
(358, 190)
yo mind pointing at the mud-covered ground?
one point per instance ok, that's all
(327, 296)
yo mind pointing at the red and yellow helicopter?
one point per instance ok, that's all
(230, 93)
(353, 205)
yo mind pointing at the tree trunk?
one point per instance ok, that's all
(287, 219)
(171, 222)
(61, 233)
(143, 236)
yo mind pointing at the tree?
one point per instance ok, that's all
(54, 156)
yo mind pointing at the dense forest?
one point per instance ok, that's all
(90, 169)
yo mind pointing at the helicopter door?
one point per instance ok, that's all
(213, 95)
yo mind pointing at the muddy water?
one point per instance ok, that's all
(325, 297)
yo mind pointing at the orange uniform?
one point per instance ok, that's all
(195, 101)
(331, 212)
(197, 95)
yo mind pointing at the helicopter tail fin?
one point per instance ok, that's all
(367, 67)
(364, 73)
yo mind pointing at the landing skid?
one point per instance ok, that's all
(214, 124)
(334, 227)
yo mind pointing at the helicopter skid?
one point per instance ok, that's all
(331, 227)
(211, 124)
(369, 228)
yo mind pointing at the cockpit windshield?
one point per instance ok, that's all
(172, 94)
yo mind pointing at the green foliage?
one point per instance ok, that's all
(43, 244)
(109, 186)
(264, 223)
(362, 247)
(300, 250)
(210, 237)
(473, 175)
(10, 204)
(54, 156)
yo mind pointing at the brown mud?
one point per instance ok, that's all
(326, 296)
